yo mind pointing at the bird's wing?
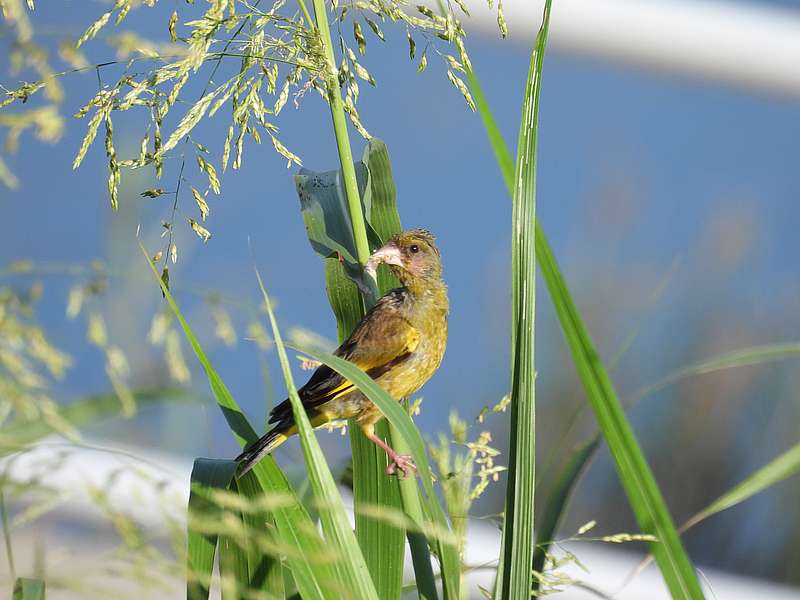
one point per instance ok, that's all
(382, 340)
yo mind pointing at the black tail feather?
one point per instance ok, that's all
(260, 448)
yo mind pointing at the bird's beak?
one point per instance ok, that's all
(388, 254)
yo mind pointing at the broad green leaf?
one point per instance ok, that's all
(557, 500)
(235, 554)
(335, 523)
(637, 479)
(207, 474)
(28, 589)
(516, 578)
(81, 413)
(326, 217)
(399, 419)
(311, 561)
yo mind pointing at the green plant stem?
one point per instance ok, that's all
(306, 14)
(343, 143)
(7, 535)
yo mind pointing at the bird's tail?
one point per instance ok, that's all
(263, 446)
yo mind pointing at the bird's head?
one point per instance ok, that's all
(412, 255)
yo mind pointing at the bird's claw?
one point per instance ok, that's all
(404, 463)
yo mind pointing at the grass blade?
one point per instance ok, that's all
(778, 469)
(753, 355)
(635, 475)
(28, 589)
(335, 523)
(207, 474)
(399, 419)
(312, 569)
(782, 467)
(516, 579)
(557, 500)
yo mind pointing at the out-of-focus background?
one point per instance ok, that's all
(668, 185)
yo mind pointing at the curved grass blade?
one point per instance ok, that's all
(753, 355)
(311, 566)
(207, 474)
(28, 589)
(782, 467)
(777, 470)
(637, 479)
(399, 419)
(335, 523)
(635, 474)
(516, 578)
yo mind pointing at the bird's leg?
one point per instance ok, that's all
(397, 461)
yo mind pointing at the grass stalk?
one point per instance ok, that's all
(7, 535)
(515, 579)
(342, 140)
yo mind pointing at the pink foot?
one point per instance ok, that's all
(402, 462)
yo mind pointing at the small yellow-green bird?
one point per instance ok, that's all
(400, 343)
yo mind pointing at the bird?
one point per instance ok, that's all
(400, 343)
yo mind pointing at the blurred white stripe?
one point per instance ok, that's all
(747, 45)
(147, 486)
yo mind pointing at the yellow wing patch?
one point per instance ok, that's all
(412, 339)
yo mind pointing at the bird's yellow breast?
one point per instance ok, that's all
(427, 319)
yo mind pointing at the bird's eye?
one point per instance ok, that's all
(414, 249)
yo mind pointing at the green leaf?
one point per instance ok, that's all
(234, 557)
(780, 468)
(557, 500)
(516, 578)
(637, 479)
(207, 474)
(399, 419)
(28, 589)
(326, 217)
(335, 523)
(81, 413)
(310, 562)
(749, 356)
